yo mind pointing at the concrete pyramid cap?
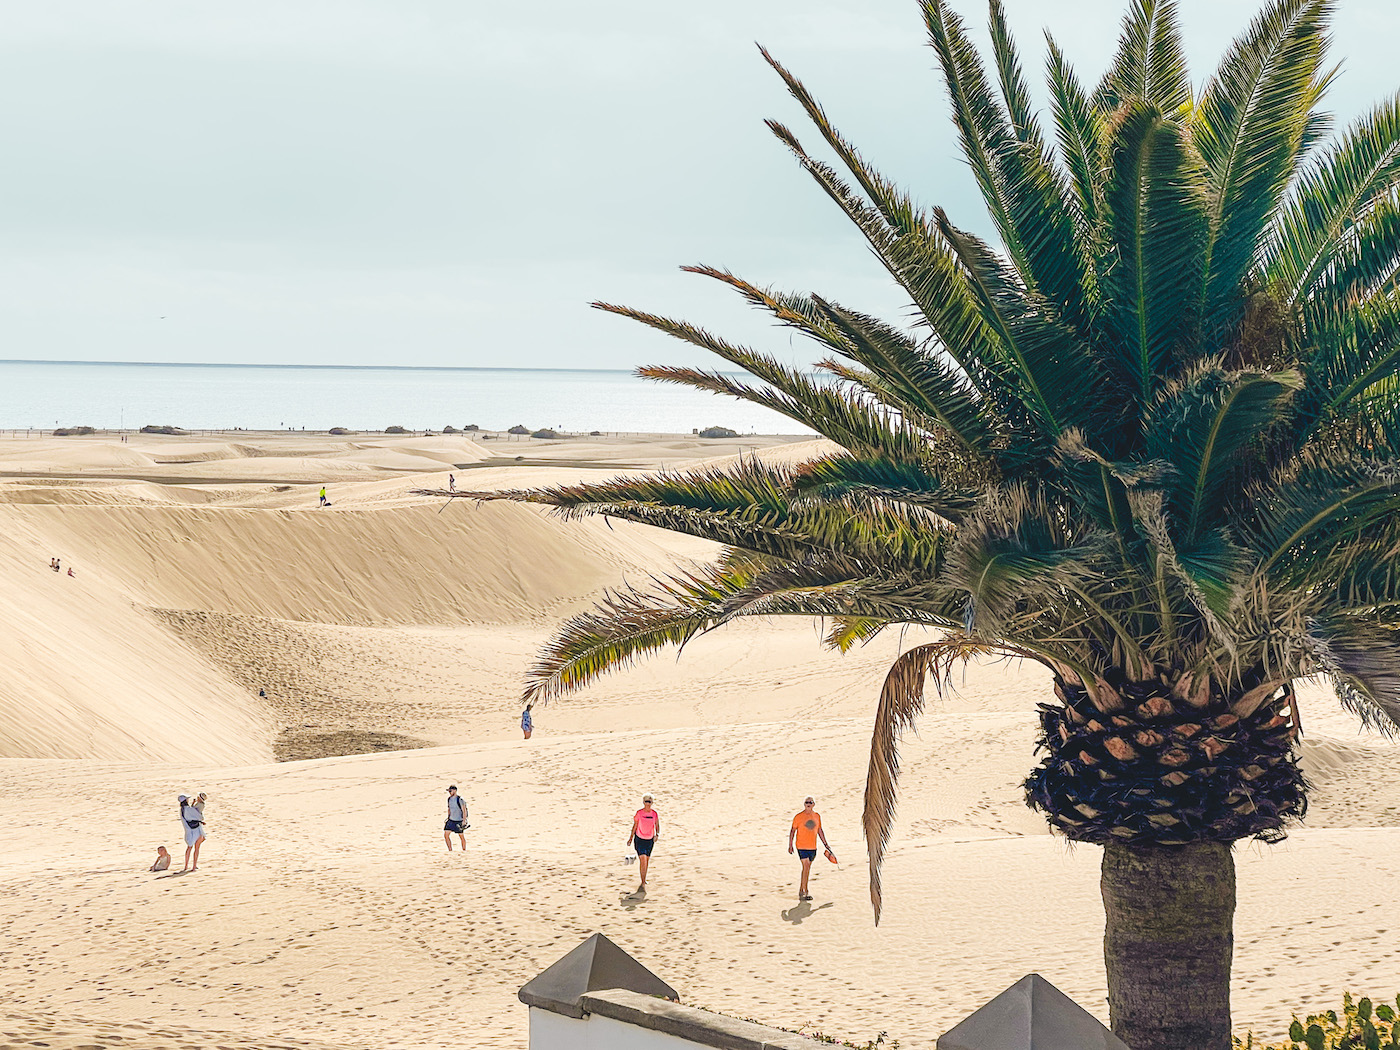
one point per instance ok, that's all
(1031, 1015)
(595, 964)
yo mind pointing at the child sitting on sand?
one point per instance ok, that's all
(162, 859)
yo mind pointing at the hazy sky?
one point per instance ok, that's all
(449, 182)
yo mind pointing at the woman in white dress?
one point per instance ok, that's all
(192, 818)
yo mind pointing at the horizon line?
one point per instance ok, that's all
(254, 364)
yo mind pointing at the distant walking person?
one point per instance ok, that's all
(527, 721)
(456, 819)
(451, 483)
(192, 817)
(806, 829)
(324, 501)
(646, 829)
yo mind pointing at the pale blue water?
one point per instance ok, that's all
(44, 394)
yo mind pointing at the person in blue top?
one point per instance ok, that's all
(527, 722)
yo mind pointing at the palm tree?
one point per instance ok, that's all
(1151, 442)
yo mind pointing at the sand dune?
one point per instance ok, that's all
(410, 565)
(326, 911)
(89, 675)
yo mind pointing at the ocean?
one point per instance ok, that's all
(111, 395)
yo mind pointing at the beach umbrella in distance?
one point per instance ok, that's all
(1150, 440)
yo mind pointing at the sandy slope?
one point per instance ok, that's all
(89, 674)
(327, 912)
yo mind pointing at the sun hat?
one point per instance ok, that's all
(647, 798)
(184, 797)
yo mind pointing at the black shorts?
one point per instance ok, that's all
(454, 826)
(643, 846)
(807, 854)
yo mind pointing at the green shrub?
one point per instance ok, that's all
(1360, 1026)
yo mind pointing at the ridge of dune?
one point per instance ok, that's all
(397, 564)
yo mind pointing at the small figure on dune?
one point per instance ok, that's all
(527, 722)
(451, 483)
(324, 501)
(806, 829)
(56, 565)
(192, 817)
(646, 829)
(162, 859)
(70, 571)
(456, 819)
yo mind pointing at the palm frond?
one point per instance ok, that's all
(859, 378)
(923, 385)
(851, 422)
(1080, 132)
(1155, 196)
(1363, 270)
(1024, 191)
(627, 625)
(1249, 128)
(1203, 420)
(834, 478)
(848, 631)
(791, 310)
(1150, 65)
(1330, 198)
(924, 266)
(1294, 522)
(1363, 350)
(1014, 550)
(1364, 664)
(901, 702)
(1039, 355)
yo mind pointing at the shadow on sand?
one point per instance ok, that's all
(631, 900)
(796, 915)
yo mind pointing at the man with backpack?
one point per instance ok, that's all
(456, 819)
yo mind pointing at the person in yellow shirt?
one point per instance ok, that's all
(806, 829)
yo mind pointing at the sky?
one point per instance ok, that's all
(451, 182)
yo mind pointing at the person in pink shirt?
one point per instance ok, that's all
(646, 828)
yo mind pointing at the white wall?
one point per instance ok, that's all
(551, 1031)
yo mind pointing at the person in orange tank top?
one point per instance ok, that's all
(646, 828)
(806, 829)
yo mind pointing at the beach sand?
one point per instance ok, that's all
(326, 911)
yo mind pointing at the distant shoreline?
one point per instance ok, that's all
(215, 396)
(482, 434)
(357, 368)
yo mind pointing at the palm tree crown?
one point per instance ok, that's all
(1151, 442)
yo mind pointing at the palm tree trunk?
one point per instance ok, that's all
(1168, 942)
